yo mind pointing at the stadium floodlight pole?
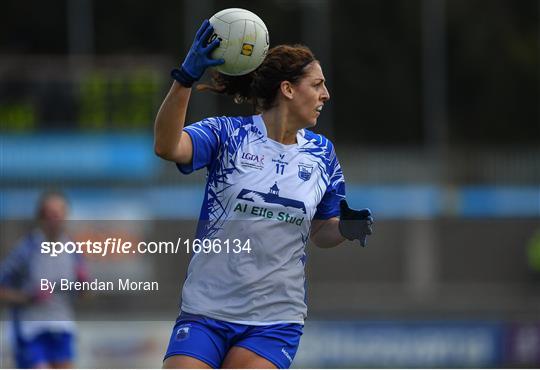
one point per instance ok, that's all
(194, 12)
(80, 24)
(80, 37)
(423, 244)
(434, 78)
(318, 12)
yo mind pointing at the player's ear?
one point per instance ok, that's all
(287, 89)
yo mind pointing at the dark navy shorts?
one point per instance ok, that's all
(209, 340)
(46, 348)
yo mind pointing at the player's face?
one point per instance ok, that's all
(310, 94)
(53, 215)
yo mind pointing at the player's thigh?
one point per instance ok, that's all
(275, 344)
(184, 362)
(62, 365)
(242, 358)
(196, 341)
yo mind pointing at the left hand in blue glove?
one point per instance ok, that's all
(355, 224)
(198, 57)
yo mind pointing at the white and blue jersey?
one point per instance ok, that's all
(265, 192)
(23, 270)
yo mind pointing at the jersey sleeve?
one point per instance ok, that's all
(206, 136)
(14, 268)
(335, 191)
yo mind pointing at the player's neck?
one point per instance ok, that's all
(278, 127)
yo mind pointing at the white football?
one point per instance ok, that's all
(244, 40)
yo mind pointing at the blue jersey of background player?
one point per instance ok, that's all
(271, 182)
(43, 326)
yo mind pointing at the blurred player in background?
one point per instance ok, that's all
(270, 181)
(43, 324)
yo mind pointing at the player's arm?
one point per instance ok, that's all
(170, 142)
(12, 269)
(14, 296)
(325, 233)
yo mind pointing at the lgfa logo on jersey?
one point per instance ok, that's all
(252, 160)
(305, 171)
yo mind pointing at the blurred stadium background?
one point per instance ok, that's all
(435, 113)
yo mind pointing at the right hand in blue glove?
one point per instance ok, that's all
(198, 57)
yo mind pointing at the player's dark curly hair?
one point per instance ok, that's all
(260, 87)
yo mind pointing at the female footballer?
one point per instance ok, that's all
(272, 184)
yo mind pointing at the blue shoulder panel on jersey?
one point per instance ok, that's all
(335, 191)
(205, 136)
(208, 137)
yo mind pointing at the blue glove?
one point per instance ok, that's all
(198, 58)
(355, 224)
